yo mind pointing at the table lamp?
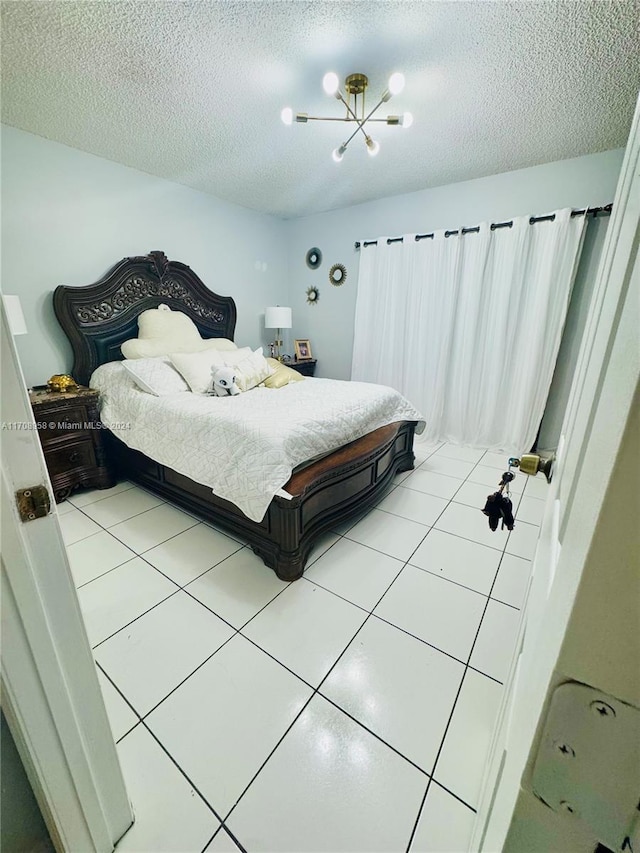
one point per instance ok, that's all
(277, 318)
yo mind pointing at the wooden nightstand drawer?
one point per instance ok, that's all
(70, 456)
(62, 422)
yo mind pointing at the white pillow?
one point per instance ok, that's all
(238, 355)
(163, 331)
(155, 376)
(220, 344)
(196, 367)
(251, 368)
(161, 322)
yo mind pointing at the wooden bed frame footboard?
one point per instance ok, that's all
(328, 492)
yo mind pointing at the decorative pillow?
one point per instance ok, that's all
(162, 331)
(238, 355)
(140, 348)
(196, 367)
(155, 376)
(282, 374)
(162, 321)
(220, 344)
(251, 370)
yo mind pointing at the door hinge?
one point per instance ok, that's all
(587, 766)
(33, 503)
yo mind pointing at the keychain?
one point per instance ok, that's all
(498, 506)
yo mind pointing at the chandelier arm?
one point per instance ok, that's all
(344, 120)
(377, 106)
(359, 127)
(362, 123)
(355, 118)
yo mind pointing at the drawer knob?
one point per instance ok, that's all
(75, 456)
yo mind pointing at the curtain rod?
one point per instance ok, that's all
(494, 226)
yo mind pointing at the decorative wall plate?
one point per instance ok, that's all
(338, 274)
(314, 258)
(313, 294)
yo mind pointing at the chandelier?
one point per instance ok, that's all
(356, 113)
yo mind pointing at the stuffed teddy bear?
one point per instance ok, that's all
(223, 382)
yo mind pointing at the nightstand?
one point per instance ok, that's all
(306, 367)
(72, 439)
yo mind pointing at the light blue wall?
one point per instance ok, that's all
(67, 217)
(589, 180)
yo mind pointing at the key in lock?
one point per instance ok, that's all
(531, 463)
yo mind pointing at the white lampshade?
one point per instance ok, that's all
(15, 317)
(277, 318)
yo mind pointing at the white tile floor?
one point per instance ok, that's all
(349, 711)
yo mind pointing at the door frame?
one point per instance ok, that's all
(51, 696)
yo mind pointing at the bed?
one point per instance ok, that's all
(98, 318)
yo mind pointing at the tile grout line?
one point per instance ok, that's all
(225, 829)
(235, 630)
(109, 530)
(175, 763)
(102, 497)
(108, 571)
(453, 708)
(462, 680)
(470, 588)
(139, 616)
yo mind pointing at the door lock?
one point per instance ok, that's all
(531, 463)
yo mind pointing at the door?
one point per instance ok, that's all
(50, 692)
(598, 411)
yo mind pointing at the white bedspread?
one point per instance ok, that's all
(245, 447)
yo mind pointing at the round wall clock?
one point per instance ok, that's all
(337, 274)
(314, 258)
(313, 294)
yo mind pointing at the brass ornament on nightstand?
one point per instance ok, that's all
(62, 382)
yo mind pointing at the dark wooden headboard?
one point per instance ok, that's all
(98, 318)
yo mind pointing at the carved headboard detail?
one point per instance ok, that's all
(98, 318)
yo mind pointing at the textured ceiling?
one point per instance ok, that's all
(192, 91)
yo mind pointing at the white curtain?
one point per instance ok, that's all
(468, 327)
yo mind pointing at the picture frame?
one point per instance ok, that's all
(303, 350)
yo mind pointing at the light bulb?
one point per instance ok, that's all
(407, 119)
(287, 115)
(338, 153)
(372, 146)
(396, 83)
(330, 83)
